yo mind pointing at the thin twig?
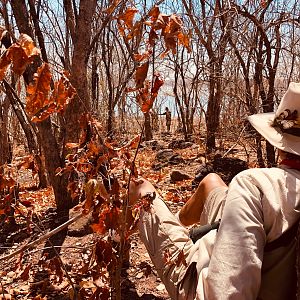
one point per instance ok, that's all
(235, 142)
(60, 260)
(42, 238)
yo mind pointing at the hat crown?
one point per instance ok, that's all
(291, 99)
(282, 129)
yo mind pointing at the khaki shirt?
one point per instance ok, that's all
(261, 204)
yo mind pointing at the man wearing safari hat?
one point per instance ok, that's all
(253, 253)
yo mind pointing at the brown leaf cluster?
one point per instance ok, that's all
(93, 170)
(19, 55)
(170, 29)
(41, 101)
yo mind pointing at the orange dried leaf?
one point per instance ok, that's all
(6, 182)
(18, 57)
(154, 13)
(141, 74)
(39, 105)
(128, 16)
(133, 143)
(72, 145)
(184, 39)
(146, 100)
(99, 227)
(158, 82)
(63, 93)
(174, 24)
(143, 96)
(24, 275)
(161, 22)
(28, 45)
(152, 37)
(140, 57)
(108, 219)
(37, 93)
(21, 53)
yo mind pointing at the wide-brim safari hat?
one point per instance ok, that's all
(282, 128)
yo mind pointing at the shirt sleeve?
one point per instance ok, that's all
(234, 271)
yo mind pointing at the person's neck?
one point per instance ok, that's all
(291, 163)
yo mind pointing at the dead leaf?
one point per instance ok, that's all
(141, 74)
(26, 42)
(142, 56)
(40, 105)
(24, 275)
(22, 53)
(128, 16)
(180, 259)
(108, 218)
(38, 91)
(72, 145)
(87, 284)
(154, 12)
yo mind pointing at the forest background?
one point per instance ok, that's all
(83, 84)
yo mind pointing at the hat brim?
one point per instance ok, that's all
(284, 141)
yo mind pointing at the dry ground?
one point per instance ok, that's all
(28, 280)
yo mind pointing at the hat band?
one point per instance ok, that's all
(288, 122)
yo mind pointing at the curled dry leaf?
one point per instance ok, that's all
(39, 104)
(38, 92)
(108, 218)
(22, 53)
(63, 93)
(93, 187)
(142, 56)
(128, 16)
(154, 13)
(104, 253)
(26, 42)
(184, 39)
(6, 182)
(72, 145)
(141, 74)
(147, 102)
(24, 274)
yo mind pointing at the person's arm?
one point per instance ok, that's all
(234, 271)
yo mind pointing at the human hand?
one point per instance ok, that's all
(138, 189)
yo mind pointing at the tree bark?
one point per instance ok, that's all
(81, 38)
(50, 147)
(5, 147)
(148, 128)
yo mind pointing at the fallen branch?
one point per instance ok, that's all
(235, 142)
(43, 238)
